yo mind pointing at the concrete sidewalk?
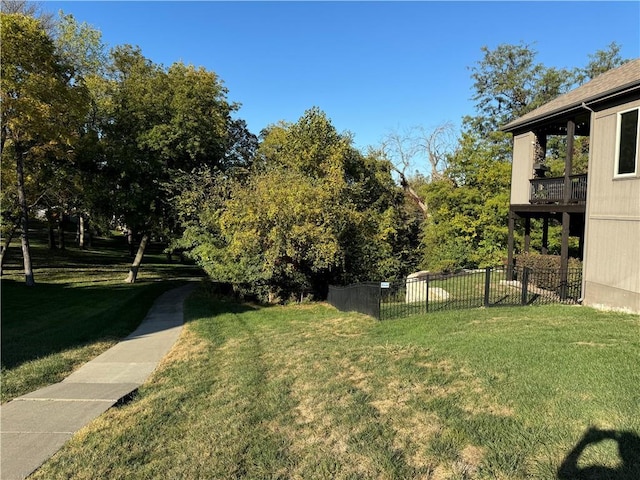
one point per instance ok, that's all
(35, 426)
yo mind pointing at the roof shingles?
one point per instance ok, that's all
(621, 78)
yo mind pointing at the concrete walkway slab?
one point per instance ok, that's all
(18, 460)
(82, 391)
(35, 426)
(50, 416)
(112, 372)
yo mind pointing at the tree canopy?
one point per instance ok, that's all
(43, 106)
(312, 210)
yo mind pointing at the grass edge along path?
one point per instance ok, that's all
(309, 392)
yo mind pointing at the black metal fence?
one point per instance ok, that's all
(469, 289)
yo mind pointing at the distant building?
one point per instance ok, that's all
(602, 207)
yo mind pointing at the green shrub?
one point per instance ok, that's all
(545, 269)
(537, 261)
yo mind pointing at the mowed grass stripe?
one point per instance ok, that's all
(309, 392)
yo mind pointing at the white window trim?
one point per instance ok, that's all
(636, 172)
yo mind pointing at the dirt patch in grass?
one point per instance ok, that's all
(457, 471)
(481, 403)
(465, 466)
(444, 365)
(399, 351)
(397, 395)
(469, 460)
(341, 326)
(489, 320)
(594, 344)
(414, 431)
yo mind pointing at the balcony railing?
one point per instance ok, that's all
(551, 190)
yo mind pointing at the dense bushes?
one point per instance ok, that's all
(537, 261)
(546, 271)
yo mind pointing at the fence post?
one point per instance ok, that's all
(487, 285)
(426, 296)
(525, 285)
(379, 312)
(564, 283)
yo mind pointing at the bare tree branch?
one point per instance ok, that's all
(30, 9)
(418, 144)
(436, 144)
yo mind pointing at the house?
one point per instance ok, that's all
(601, 207)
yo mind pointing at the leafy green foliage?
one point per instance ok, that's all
(43, 109)
(313, 210)
(600, 62)
(535, 261)
(508, 83)
(468, 222)
(161, 122)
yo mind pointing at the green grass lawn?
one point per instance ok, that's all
(78, 308)
(312, 393)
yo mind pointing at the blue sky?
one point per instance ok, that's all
(373, 67)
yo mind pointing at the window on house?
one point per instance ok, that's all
(627, 154)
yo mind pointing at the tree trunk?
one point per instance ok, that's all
(61, 222)
(51, 237)
(24, 237)
(419, 201)
(5, 245)
(89, 234)
(413, 195)
(408, 190)
(130, 237)
(133, 271)
(51, 234)
(81, 231)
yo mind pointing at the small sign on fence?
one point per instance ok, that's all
(385, 285)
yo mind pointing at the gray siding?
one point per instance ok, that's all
(612, 243)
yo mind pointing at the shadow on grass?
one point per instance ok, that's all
(51, 318)
(212, 300)
(628, 449)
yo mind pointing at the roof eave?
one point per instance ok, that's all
(568, 109)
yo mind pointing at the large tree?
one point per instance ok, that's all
(313, 210)
(161, 122)
(43, 108)
(509, 83)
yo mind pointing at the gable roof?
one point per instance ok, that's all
(611, 83)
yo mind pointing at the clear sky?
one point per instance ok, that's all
(372, 67)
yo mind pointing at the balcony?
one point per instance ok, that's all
(552, 190)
